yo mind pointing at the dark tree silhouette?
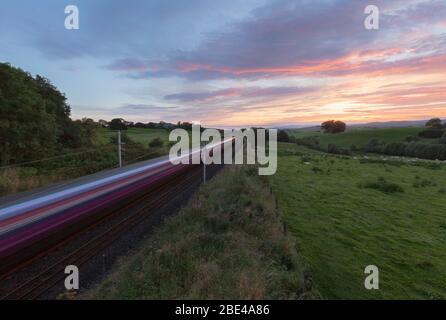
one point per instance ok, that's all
(282, 136)
(333, 126)
(434, 123)
(118, 124)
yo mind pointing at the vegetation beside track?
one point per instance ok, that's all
(83, 161)
(228, 243)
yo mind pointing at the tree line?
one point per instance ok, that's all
(122, 124)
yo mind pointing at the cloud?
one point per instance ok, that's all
(243, 92)
(115, 28)
(289, 38)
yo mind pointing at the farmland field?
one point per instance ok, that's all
(348, 213)
(140, 135)
(359, 137)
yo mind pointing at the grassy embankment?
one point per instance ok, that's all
(82, 162)
(228, 243)
(348, 213)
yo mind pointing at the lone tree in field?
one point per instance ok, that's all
(333, 126)
(434, 123)
(282, 136)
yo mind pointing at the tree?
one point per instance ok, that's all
(103, 123)
(35, 118)
(282, 136)
(333, 126)
(118, 124)
(434, 123)
(28, 120)
(139, 125)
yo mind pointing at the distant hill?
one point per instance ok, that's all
(370, 125)
(391, 124)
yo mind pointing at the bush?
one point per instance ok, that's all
(426, 151)
(412, 138)
(443, 139)
(420, 150)
(422, 183)
(316, 169)
(282, 136)
(431, 133)
(395, 149)
(156, 143)
(332, 148)
(374, 146)
(382, 185)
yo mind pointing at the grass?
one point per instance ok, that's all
(341, 228)
(13, 180)
(359, 137)
(139, 135)
(228, 243)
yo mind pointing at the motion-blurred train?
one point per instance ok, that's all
(33, 222)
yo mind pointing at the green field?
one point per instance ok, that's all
(358, 137)
(140, 135)
(342, 226)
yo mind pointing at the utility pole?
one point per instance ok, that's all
(119, 148)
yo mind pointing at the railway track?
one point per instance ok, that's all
(121, 221)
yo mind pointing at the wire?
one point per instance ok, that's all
(56, 157)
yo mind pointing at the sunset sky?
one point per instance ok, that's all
(235, 62)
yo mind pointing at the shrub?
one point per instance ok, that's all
(382, 185)
(316, 169)
(156, 143)
(374, 146)
(422, 183)
(332, 148)
(431, 133)
(412, 138)
(395, 149)
(426, 151)
(443, 139)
